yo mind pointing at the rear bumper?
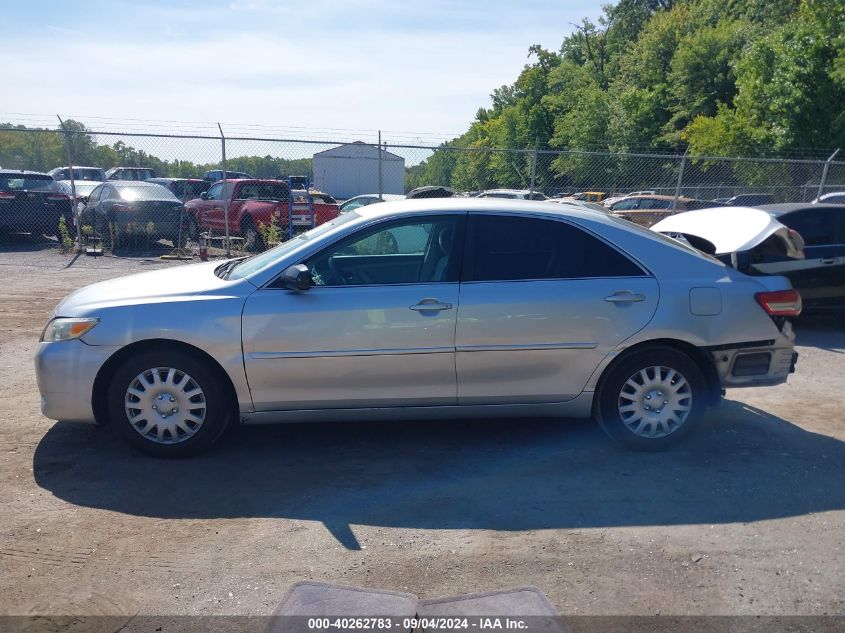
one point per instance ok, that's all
(757, 364)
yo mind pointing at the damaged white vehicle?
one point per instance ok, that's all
(748, 239)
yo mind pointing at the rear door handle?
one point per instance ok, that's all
(432, 304)
(828, 260)
(625, 296)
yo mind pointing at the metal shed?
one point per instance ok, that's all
(352, 169)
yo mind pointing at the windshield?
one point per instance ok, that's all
(14, 182)
(257, 262)
(144, 191)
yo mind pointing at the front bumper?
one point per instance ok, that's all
(65, 372)
(757, 365)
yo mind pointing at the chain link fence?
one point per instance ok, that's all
(128, 215)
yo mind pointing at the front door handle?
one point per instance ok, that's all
(828, 260)
(625, 296)
(430, 303)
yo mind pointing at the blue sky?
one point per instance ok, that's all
(422, 67)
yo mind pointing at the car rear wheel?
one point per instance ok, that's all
(651, 399)
(168, 404)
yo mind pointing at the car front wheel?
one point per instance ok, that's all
(651, 399)
(168, 404)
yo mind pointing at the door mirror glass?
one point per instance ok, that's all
(297, 277)
(204, 196)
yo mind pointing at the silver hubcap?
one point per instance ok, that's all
(655, 402)
(165, 405)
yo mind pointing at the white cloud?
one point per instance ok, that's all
(306, 74)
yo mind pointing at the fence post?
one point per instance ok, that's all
(76, 217)
(533, 172)
(226, 190)
(824, 173)
(380, 175)
(680, 181)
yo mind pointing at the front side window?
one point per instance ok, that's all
(415, 250)
(216, 192)
(625, 205)
(95, 195)
(510, 248)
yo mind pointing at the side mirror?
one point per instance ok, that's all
(297, 277)
(204, 195)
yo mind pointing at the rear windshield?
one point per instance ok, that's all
(196, 187)
(144, 191)
(88, 174)
(15, 182)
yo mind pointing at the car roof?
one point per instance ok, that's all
(528, 207)
(77, 167)
(789, 207)
(22, 172)
(135, 183)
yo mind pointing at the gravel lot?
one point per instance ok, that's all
(747, 518)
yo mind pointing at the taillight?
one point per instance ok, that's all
(58, 197)
(121, 207)
(784, 303)
(5, 195)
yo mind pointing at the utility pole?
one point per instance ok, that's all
(225, 190)
(73, 209)
(380, 175)
(680, 180)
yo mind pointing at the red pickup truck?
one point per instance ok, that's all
(252, 202)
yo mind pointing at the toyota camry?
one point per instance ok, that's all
(432, 308)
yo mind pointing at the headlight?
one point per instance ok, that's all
(64, 329)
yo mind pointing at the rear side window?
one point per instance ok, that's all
(510, 248)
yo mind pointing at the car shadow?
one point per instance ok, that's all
(823, 331)
(744, 465)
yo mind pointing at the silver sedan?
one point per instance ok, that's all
(436, 308)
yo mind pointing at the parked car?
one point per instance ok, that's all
(130, 173)
(214, 175)
(83, 189)
(834, 197)
(369, 198)
(92, 174)
(805, 242)
(821, 276)
(125, 207)
(609, 201)
(488, 308)
(251, 203)
(587, 196)
(31, 202)
(646, 210)
(750, 200)
(512, 194)
(183, 188)
(431, 191)
(321, 197)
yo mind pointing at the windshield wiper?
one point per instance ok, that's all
(226, 268)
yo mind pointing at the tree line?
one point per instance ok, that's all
(42, 150)
(712, 77)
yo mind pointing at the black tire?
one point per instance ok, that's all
(690, 399)
(216, 404)
(253, 240)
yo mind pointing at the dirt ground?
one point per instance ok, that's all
(746, 518)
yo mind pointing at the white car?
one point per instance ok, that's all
(512, 194)
(609, 201)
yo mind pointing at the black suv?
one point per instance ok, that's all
(31, 202)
